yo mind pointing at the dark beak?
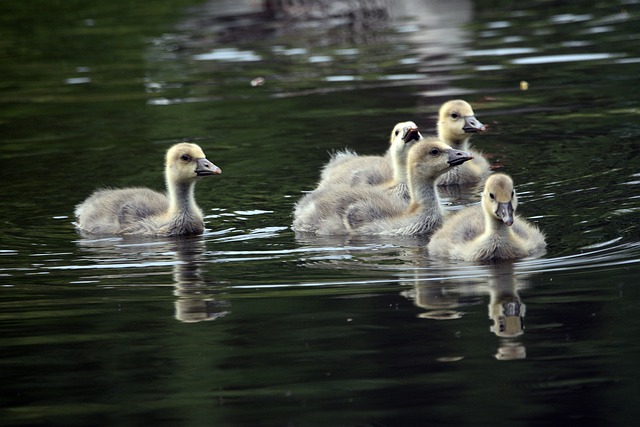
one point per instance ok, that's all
(457, 157)
(411, 134)
(205, 168)
(472, 125)
(505, 213)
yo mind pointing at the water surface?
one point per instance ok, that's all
(252, 325)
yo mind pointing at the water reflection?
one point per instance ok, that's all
(444, 301)
(334, 22)
(197, 298)
(304, 48)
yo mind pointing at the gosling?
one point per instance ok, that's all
(347, 167)
(347, 210)
(490, 231)
(456, 124)
(142, 211)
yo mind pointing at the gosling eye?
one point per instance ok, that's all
(185, 158)
(455, 115)
(397, 132)
(492, 196)
(434, 152)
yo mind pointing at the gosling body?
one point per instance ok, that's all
(490, 231)
(142, 211)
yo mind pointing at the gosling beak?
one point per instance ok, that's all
(505, 213)
(411, 134)
(472, 125)
(457, 157)
(205, 168)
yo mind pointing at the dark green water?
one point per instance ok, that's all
(249, 325)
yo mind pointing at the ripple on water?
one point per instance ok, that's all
(576, 57)
(228, 55)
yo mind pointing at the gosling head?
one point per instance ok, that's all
(499, 198)
(456, 121)
(186, 162)
(403, 136)
(407, 132)
(430, 158)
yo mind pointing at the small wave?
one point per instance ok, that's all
(550, 59)
(228, 55)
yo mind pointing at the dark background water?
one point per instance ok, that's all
(249, 325)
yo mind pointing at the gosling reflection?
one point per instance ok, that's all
(442, 301)
(445, 301)
(507, 312)
(194, 302)
(505, 307)
(195, 296)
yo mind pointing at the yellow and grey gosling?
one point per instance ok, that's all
(489, 231)
(142, 211)
(347, 167)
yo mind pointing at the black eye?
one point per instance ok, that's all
(397, 132)
(492, 196)
(185, 158)
(434, 152)
(454, 115)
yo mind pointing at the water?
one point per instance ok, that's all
(251, 325)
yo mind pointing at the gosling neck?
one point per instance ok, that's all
(495, 226)
(399, 165)
(181, 198)
(424, 195)
(460, 142)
